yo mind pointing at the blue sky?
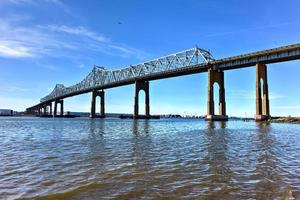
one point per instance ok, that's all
(44, 42)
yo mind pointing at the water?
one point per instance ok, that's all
(156, 159)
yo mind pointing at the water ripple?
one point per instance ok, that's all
(148, 159)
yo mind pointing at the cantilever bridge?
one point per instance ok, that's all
(190, 61)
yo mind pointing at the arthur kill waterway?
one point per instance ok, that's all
(147, 159)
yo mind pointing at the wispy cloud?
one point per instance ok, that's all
(19, 41)
(19, 38)
(11, 50)
(78, 31)
(37, 3)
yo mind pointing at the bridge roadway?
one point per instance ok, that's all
(215, 69)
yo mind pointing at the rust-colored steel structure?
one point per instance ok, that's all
(190, 61)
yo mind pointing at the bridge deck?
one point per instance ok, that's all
(285, 53)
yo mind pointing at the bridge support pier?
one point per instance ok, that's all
(95, 94)
(45, 110)
(61, 102)
(141, 85)
(216, 76)
(262, 104)
(50, 105)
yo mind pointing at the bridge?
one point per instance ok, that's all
(191, 61)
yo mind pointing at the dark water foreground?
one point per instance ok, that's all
(155, 159)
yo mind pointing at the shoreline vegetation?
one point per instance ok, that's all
(291, 120)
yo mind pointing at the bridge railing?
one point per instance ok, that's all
(100, 76)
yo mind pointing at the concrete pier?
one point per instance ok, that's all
(96, 94)
(50, 110)
(61, 102)
(141, 85)
(262, 102)
(216, 76)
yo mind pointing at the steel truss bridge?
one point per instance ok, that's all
(100, 77)
(191, 61)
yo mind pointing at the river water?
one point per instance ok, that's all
(148, 159)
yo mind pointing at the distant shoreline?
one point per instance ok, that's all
(290, 120)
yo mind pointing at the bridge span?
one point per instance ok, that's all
(190, 61)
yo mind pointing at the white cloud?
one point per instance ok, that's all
(98, 42)
(14, 51)
(79, 31)
(19, 41)
(37, 3)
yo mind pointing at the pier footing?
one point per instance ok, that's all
(260, 118)
(216, 118)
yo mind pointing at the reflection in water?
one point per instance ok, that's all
(96, 136)
(213, 124)
(219, 171)
(269, 182)
(141, 159)
(140, 127)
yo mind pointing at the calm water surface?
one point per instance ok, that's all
(155, 159)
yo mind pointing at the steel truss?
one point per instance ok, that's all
(100, 76)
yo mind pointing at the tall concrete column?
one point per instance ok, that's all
(56, 102)
(262, 102)
(93, 106)
(45, 109)
(210, 101)
(61, 107)
(216, 76)
(50, 108)
(102, 104)
(141, 85)
(55, 109)
(258, 92)
(95, 94)
(222, 102)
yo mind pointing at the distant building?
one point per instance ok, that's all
(6, 112)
